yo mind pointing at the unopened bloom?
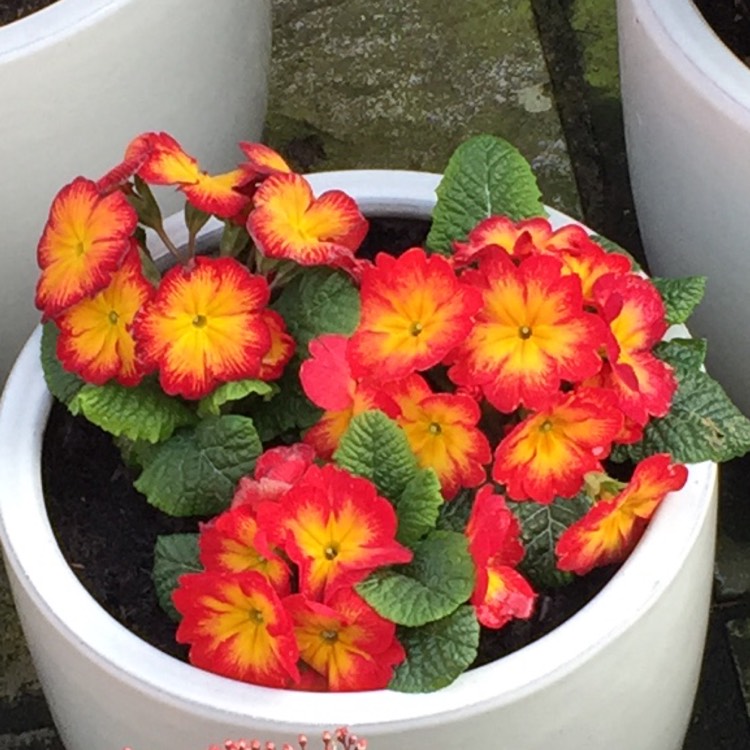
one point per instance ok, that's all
(95, 339)
(548, 454)
(611, 529)
(345, 641)
(414, 312)
(237, 627)
(85, 240)
(204, 326)
(335, 527)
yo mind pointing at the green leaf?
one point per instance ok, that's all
(702, 425)
(174, 555)
(431, 586)
(142, 412)
(318, 301)
(541, 527)
(195, 472)
(454, 515)
(682, 354)
(486, 176)
(419, 507)
(234, 239)
(681, 296)
(63, 385)
(376, 448)
(232, 391)
(289, 412)
(437, 653)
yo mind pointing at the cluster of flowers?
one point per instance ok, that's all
(541, 331)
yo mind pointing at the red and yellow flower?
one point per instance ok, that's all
(335, 527)
(328, 382)
(204, 327)
(237, 627)
(345, 641)
(611, 529)
(414, 312)
(85, 240)
(635, 313)
(281, 350)
(288, 223)
(95, 340)
(262, 161)
(531, 334)
(501, 593)
(443, 434)
(548, 454)
(234, 543)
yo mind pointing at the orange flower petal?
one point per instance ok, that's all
(218, 194)
(289, 223)
(262, 160)
(282, 347)
(167, 163)
(83, 243)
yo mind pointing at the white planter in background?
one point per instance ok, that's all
(621, 674)
(80, 78)
(686, 102)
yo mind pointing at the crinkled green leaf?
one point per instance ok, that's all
(195, 472)
(486, 176)
(232, 391)
(681, 296)
(63, 385)
(376, 448)
(454, 515)
(418, 507)
(289, 412)
(437, 653)
(431, 586)
(142, 412)
(682, 354)
(318, 301)
(541, 527)
(702, 425)
(174, 555)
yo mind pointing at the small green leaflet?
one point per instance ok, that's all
(431, 586)
(233, 391)
(682, 354)
(681, 296)
(419, 507)
(486, 176)
(142, 412)
(195, 472)
(376, 448)
(316, 302)
(437, 653)
(174, 555)
(63, 385)
(454, 515)
(541, 527)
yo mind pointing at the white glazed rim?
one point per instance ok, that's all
(51, 25)
(34, 556)
(694, 49)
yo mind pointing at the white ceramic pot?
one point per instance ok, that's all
(686, 102)
(621, 674)
(80, 78)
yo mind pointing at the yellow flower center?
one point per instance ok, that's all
(113, 317)
(546, 426)
(416, 329)
(80, 248)
(330, 636)
(256, 616)
(199, 321)
(524, 332)
(435, 428)
(330, 552)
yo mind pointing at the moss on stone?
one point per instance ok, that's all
(595, 24)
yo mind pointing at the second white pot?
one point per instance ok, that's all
(621, 674)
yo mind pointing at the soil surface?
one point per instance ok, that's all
(730, 19)
(107, 531)
(12, 10)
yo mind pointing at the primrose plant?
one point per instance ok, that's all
(385, 452)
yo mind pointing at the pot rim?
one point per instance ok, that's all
(51, 25)
(685, 38)
(36, 560)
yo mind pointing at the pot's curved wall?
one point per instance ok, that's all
(686, 102)
(81, 78)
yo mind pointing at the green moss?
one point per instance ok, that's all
(595, 23)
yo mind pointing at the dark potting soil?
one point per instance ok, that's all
(106, 530)
(12, 10)
(730, 19)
